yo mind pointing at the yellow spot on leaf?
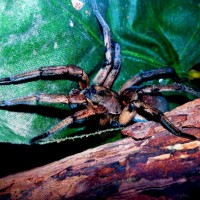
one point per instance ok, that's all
(194, 74)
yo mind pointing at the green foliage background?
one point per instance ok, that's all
(35, 33)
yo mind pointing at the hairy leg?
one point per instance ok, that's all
(79, 116)
(134, 92)
(44, 98)
(150, 74)
(108, 73)
(138, 106)
(116, 67)
(102, 74)
(66, 72)
(168, 88)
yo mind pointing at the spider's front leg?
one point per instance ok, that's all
(108, 73)
(137, 106)
(66, 72)
(80, 116)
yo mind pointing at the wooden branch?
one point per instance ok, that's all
(158, 165)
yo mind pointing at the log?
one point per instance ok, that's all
(156, 164)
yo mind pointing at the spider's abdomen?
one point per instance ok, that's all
(158, 102)
(103, 96)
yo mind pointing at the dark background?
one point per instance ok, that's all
(15, 158)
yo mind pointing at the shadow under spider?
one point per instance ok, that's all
(60, 113)
(44, 110)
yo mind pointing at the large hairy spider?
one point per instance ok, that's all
(110, 108)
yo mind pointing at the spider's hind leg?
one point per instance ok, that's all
(138, 106)
(161, 118)
(108, 73)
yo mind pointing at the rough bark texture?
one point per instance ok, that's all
(159, 164)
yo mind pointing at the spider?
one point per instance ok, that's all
(98, 99)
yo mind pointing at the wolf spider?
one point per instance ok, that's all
(109, 107)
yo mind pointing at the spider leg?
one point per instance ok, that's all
(116, 67)
(168, 88)
(44, 98)
(78, 117)
(150, 74)
(101, 75)
(157, 115)
(133, 92)
(112, 53)
(69, 72)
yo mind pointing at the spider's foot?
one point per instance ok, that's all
(175, 76)
(3, 103)
(39, 137)
(4, 81)
(188, 136)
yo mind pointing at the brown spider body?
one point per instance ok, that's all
(114, 103)
(98, 94)
(99, 100)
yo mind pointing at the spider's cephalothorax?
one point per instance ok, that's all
(98, 100)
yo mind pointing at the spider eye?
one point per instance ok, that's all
(102, 93)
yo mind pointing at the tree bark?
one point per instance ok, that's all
(156, 165)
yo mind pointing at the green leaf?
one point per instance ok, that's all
(156, 34)
(42, 33)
